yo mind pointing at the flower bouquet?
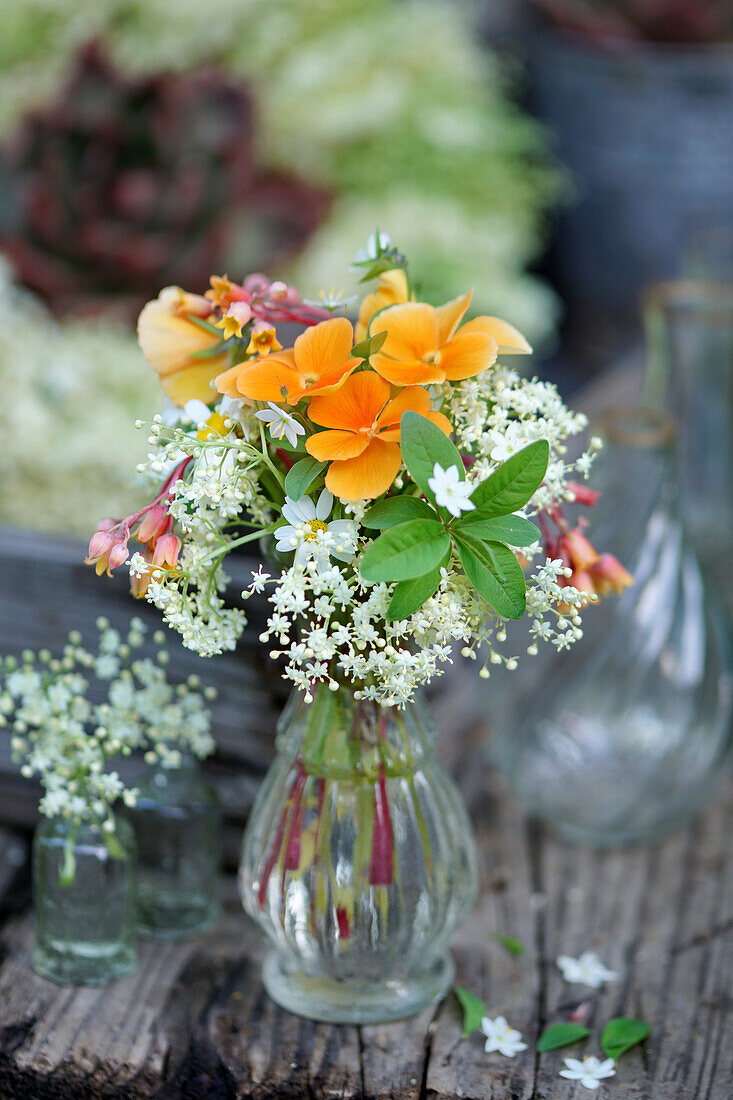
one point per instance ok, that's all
(393, 473)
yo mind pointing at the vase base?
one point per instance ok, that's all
(354, 1002)
(90, 966)
(174, 917)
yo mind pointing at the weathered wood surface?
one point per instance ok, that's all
(195, 1022)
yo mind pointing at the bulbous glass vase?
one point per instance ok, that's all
(177, 823)
(358, 861)
(83, 902)
(624, 738)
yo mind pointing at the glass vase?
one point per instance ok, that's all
(623, 738)
(358, 861)
(177, 823)
(83, 902)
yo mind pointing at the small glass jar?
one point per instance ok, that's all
(84, 902)
(177, 823)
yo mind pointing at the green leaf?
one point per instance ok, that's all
(474, 1010)
(423, 444)
(301, 476)
(408, 596)
(368, 347)
(209, 353)
(394, 510)
(561, 1035)
(510, 944)
(205, 325)
(409, 550)
(495, 574)
(621, 1034)
(514, 482)
(514, 530)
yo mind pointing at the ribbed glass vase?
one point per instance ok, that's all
(358, 861)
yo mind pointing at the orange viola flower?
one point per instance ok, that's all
(169, 341)
(319, 363)
(363, 440)
(424, 344)
(391, 290)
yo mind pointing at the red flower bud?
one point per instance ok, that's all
(609, 575)
(578, 550)
(166, 551)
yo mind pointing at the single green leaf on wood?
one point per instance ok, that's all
(474, 1010)
(408, 596)
(301, 476)
(510, 944)
(394, 510)
(494, 572)
(423, 444)
(621, 1034)
(514, 482)
(368, 347)
(406, 551)
(514, 530)
(561, 1035)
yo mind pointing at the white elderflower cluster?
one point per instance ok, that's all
(69, 742)
(498, 413)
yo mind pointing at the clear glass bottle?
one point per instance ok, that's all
(358, 861)
(84, 902)
(623, 738)
(177, 823)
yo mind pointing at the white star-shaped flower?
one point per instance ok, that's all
(499, 1036)
(590, 1072)
(587, 970)
(234, 408)
(450, 492)
(310, 536)
(505, 442)
(375, 244)
(282, 424)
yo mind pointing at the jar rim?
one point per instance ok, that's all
(639, 426)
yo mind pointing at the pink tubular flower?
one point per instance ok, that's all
(578, 550)
(154, 523)
(166, 551)
(608, 575)
(583, 495)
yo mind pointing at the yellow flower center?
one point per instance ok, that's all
(314, 525)
(307, 380)
(432, 358)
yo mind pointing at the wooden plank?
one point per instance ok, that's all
(195, 1020)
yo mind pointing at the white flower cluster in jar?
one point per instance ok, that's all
(68, 741)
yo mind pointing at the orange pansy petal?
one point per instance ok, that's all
(226, 382)
(509, 339)
(324, 345)
(413, 398)
(412, 331)
(449, 316)
(367, 476)
(354, 405)
(411, 372)
(440, 420)
(329, 445)
(333, 378)
(467, 354)
(267, 379)
(392, 289)
(392, 435)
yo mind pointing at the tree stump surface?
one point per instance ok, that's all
(195, 1022)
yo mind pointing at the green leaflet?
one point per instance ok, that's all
(406, 551)
(301, 476)
(474, 1010)
(423, 444)
(514, 530)
(561, 1035)
(368, 347)
(408, 596)
(621, 1034)
(495, 574)
(514, 482)
(394, 510)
